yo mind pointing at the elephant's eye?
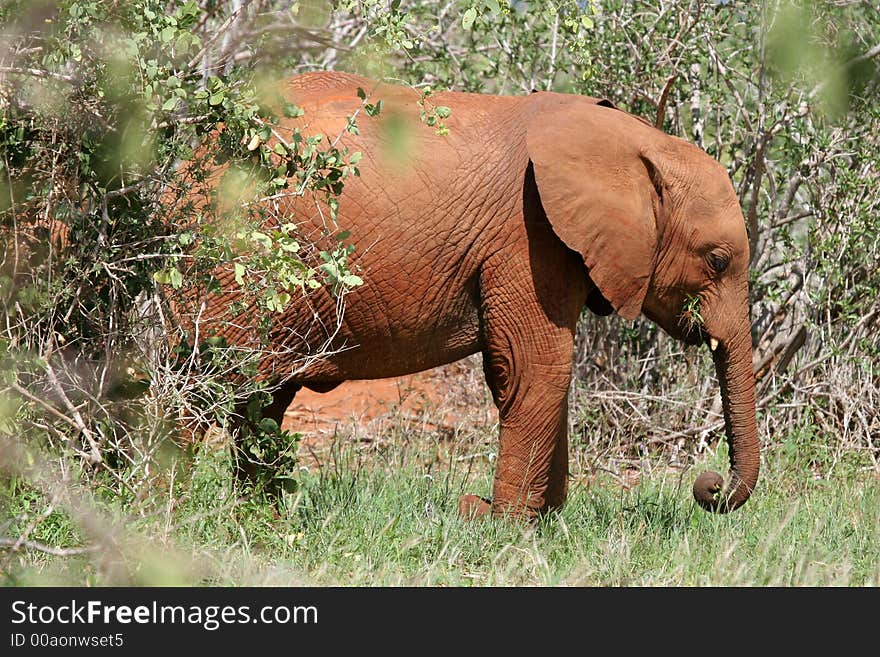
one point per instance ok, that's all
(718, 262)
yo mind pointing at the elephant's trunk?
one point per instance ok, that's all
(733, 363)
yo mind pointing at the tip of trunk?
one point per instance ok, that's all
(712, 494)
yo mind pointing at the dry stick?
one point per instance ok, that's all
(24, 392)
(868, 438)
(791, 190)
(661, 105)
(649, 33)
(794, 345)
(870, 54)
(186, 120)
(552, 72)
(78, 420)
(37, 73)
(757, 171)
(15, 546)
(22, 539)
(795, 217)
(788, 385)
(11, 192)
(170, 507)
(322, 37)
(225, 26)
(694, 74)
(696, 10)
(722, 69)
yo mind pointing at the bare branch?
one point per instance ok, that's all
(16, 545)
(38, 73)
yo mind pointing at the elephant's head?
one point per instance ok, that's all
(660, 230)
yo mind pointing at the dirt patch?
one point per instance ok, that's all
(443, 399)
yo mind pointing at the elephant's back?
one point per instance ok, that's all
(329, 98)
(423, 215)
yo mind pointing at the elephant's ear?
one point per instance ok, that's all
(600, 195)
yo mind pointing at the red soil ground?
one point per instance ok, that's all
(446, 399)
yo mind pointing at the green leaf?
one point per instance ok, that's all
(330, 269)
(239, 273)
(169, 104)
(292, 111)
(373, 110)
(352, 281)
(261, 238)
(467, 21)
(361, 94)
(587, 22)
(442, 111)
(493, 6)
(288, 244)
(176, 279)
(216, 99)
(268, 425)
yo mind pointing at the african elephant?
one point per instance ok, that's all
(494, 237)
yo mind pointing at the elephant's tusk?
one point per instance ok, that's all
(713, 344)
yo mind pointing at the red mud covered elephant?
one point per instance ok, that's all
(493, 237)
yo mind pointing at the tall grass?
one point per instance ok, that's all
(368, 516)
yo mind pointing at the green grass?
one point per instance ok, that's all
(388, 517)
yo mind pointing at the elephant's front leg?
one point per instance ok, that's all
(531, 392)
(527, 361)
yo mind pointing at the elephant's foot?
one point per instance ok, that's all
(472, 507)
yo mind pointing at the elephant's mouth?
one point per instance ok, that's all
(691, 332)
(687, 326)
(698, 335)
